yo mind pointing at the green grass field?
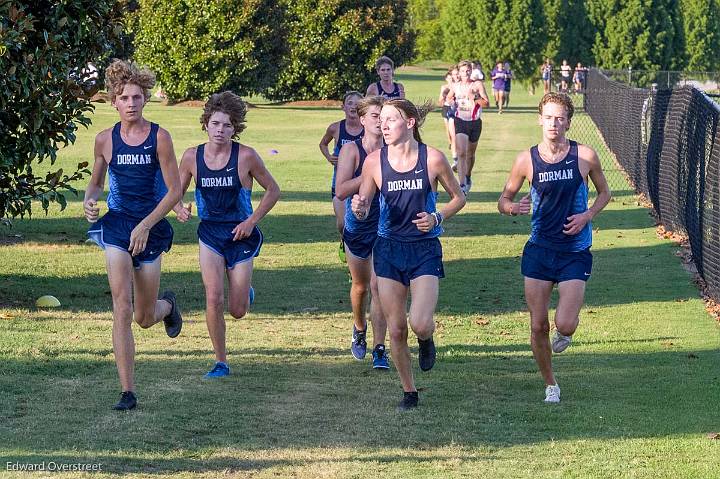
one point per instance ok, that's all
(640, 382)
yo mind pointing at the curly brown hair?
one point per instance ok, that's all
(559, 98)
(229, 103)
(121, 73)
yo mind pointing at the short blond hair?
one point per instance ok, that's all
(560, 99)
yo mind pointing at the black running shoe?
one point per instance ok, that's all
(127, 401)
(173, 321)
(409, 401)
(426, 356)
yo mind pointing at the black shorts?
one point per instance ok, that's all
(549, 265)
(471, 128)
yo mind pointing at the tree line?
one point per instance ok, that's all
(612, 34)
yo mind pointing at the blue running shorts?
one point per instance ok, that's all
(218, 237)
(557, 266)
(359, 244)
(114, 228)
(403, 261)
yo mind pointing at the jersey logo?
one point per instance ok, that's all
(400, 185)
(147, 146)
(229, 169)
(417, 172)
(213, 182)
(559, 175)
(567, 162)
(134, 159)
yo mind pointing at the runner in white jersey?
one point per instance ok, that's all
(470, 97)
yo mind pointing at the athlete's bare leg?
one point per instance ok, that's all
(393, 297)
(537, 297)
(571, 297)
(360, 272)
(212, 268)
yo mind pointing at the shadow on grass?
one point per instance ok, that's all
(311, 228)
(471, 286)
(285, 403)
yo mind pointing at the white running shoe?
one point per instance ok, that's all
(560, 342)
(552, 394)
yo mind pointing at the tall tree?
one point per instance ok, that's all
(701, 24)
(44, 91)
(197, 48)
(642, 34)
(424, 19)
(333, 46)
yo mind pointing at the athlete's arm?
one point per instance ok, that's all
(371, 90)
(518, 173)
(345, 184)
(331, 134)
(186, 172)
(576, 223)
(169, 169)
(401, 89)
(272, 192)
(443, 94)
(481, 94)
(96, 184)
(439, 168)
(370, 179)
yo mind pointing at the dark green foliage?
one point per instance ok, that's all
(44, 45)
(642, 34)
(570, 32)
(424, 18)
(333, 45)
(512, 30)
(701, 22)
(197, 48)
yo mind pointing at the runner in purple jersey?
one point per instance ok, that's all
(498, 77)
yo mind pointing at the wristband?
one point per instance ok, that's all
(438, 218)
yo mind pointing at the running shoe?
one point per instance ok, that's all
(409, 401)
(560, 342)
(426, 353)
(341, 253)
(358, 347)
(251, 295)
(220, 370)
(552, 394)
(127, 401)
(380, 357)
(464, 189)
(173, 321)
(468, 184)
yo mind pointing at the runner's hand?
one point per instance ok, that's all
(138, 239)
(576, 223)
(92, 212)
(523, 206)
(425, 222)
(359, 206)
(243, 230)
(333, 160)
(184, 213)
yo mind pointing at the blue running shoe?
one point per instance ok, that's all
(220, 370)
(380, 357)
(358, 347)
(252, 295)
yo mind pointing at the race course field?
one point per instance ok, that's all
(640, 382)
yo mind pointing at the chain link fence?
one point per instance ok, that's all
(666, 142)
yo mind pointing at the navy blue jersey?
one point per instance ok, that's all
(558, 191)
(219, 194)
(345, 137)
(389, 95)
(136, 181)
(402, 196)
(370, 224)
